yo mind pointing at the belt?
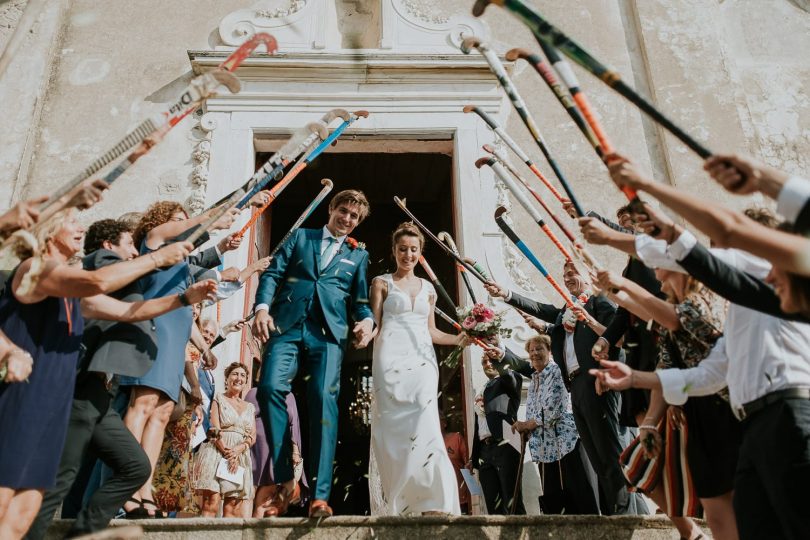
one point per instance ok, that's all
(573, 374)
(488, 441)
(758, 404)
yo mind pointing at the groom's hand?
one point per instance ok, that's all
(263, 326)
(363, 332)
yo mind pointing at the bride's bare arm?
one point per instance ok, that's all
(379, 290)
(437, 336)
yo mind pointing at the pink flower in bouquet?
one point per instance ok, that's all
(489, 315)
(468, 323)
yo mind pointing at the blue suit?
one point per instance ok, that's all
(310, 310)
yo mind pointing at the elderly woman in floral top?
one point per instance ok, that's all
(553, 438)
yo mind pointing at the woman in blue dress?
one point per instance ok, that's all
(153, 396)
(37, 317)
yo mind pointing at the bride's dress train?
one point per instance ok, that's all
(409, 471)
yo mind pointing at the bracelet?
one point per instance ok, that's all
(183, 299)
(648, 426)
(154, 259)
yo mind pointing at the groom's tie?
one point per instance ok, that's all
(325, 254)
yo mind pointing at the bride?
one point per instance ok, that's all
(413, 472)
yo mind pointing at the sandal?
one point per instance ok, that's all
(159, 514)
(137, 513)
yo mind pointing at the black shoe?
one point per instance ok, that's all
(136, 513)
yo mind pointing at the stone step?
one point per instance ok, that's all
(411, 528)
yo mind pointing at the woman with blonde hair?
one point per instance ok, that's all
(45, 323)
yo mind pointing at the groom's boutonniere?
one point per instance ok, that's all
(354, 244)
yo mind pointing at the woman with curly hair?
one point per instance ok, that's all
(153, 396)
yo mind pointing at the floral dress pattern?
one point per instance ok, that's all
(549, 404)
(700, 330)
(171, 486)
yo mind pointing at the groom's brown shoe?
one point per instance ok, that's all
(318, 508)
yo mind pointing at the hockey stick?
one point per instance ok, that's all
(312, 136)
(301, 165)
(503, 176)
(501, 157)
(565, 100)
(200, 88)
(235, 197)
(552, 35)
(447, 239)
(520, 106)
(500, 132)
(477, 275)
(578, 246)
(436, 283)
(507, 230)
(327, 187)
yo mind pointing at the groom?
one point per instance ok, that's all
(302, 306)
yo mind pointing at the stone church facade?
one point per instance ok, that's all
(734, 73)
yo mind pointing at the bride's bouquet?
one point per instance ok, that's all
(478, 321)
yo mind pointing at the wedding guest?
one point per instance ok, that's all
(223, 470)
(111, 348)
(553, 438)
(596, 416)
(264, 485)
(688, 327)
(497, 461)
(153, 395)
(35, 315)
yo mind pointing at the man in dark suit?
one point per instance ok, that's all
(596, 416)
(126, 346)
(497, 462)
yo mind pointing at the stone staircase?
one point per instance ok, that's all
(416, 528)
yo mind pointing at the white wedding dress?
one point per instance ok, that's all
(409, 471)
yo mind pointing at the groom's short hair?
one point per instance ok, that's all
(352, 196)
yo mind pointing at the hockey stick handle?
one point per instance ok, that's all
(436, 283)
(556, 88)
(499, 155)
(507, 230)
(544, 30)
(504, 177)
(523, 112)
(300, 166)
(447, 239)
(327, 187)
(132, 138)
(465, 264)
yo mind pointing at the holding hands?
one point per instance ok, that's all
(363, 333)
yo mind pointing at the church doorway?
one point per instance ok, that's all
(422, 172)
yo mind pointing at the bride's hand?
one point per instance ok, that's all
(462, 340)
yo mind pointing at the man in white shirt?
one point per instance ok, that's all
(763, 360)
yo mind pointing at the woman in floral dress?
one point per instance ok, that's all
(553, 438)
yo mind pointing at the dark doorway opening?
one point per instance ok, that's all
(426, 181)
